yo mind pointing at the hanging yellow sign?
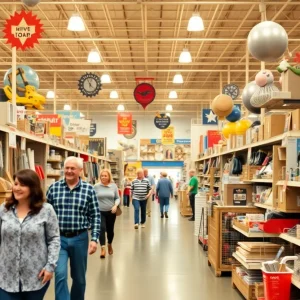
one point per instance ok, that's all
(167, 136)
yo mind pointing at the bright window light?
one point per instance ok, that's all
(76, 23)
(82, 115)
(169, 107)
(114, 95)
(120, 107)
(94, 56)
(185, 56)
(178, 78)
(105, 78)
(173, 95)
(195, 23)
(50, 95)
(168, 114)
(67, 107)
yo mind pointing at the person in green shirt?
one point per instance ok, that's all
(192, 191)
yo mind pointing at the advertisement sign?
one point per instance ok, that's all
(162, 121)
(66, 115)
(23, 30)
(239, 197)
(131, 168)
(98, 146)
(134, 131)
(79, 126)
(124, 123)
(213, 137)
(55, 123)
(208, 117)
(167, 136)
(93, 129)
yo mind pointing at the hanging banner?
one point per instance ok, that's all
(134, 131)
(55, 123)
(162, 121)
(167, 136)
(23, 30)
(93, 129)
(208, 117)
(124, 123)
(67, 115)
(79, 126)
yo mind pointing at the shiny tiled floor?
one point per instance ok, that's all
(161, 261)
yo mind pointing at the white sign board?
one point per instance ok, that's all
(81, 127)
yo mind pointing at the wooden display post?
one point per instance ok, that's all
(185, 207)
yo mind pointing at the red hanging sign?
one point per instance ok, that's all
(23, 30)
(124, 123)
(144, 93)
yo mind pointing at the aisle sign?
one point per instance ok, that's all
(162, 121)
(55, 123)
(124, 123)
(167, 136)
(79, 126)
(93, 129)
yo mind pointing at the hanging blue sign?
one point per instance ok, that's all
(208, 117)
(93, 129)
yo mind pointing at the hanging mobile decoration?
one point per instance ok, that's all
(144, 93)
(89, 84)
(231, 90)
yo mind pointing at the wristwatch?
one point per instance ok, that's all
(95, 240)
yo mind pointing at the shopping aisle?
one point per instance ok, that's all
(161, 261)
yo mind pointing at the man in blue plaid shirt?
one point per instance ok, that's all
(77, 208)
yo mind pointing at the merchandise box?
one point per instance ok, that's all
(296, 119)
(292, 157)
(232, 140)
(288, 199)
(273, 125)
(237, 194)
(240, 140)
(290, 82)
(261, 133)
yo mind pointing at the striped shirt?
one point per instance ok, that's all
(140, 188)
(76, 209)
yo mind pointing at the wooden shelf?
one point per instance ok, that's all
(254, 234)
(278, 103)
(53, 175)
(289, 183)
(259, 181)
(261, 205)
(296, 283)
(249, 266)
(290, 239)
(54, 160)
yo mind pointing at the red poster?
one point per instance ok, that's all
(55, 123)
(213, 137)
(23, 30)
(124, 123)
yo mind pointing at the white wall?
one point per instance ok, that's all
(107, 127)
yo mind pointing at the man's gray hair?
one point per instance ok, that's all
(78, 160)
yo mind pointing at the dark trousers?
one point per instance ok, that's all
(126, 200)
(108, 220)
(34, 295)
(137, 204)
(192, 202)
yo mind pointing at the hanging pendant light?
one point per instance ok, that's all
(178, 78)
(67, 107)
(94, 56)
(195, 23)
(113, 95)
(120, 107)
(105, 78)
(169, 107)
(168, 114)
(173, 95)
(50, 95)
(185, 56)
(76, 23)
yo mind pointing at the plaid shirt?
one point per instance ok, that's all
(76, 209)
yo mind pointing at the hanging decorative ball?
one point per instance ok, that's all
(248, 91)
(31, 3)
(222, 106)
(267, 41)
(229, 128)
(235, 115)
(242, 126)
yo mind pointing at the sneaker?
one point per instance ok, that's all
(166, 215)
(136, 226)
(162, 216)
(143, 225)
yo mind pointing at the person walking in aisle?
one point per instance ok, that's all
(164, 190)
(152, 184)
(108, 197)
(126, 192)
(140, 191)
(77, 208)
(30, 242)
(192, 191)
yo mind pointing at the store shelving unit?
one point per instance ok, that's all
(254, 234)
(290, 239)
(249, 266)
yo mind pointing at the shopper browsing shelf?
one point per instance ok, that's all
(152, 184)
(77, 208)
(140, 191)
(192, 191)
(108, 197)
(164, 191)
(30, 243)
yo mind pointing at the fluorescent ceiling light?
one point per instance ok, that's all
(76, 23)
(114, 95)
(67, 107)
(168, 114)
(105, 78)
(120, 107)
(178, 78)
(173, 95)
(195, 23)
(50, 95)
(94, 56)
(169, 107)
(185, 56)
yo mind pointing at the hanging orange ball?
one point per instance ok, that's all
(222, 106)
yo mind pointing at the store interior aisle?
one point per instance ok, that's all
(161, 261)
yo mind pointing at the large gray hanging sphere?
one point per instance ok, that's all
(31, 3)
(248, 91)
(267, 41)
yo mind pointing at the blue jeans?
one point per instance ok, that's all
(76, 249)
(34, 295)
(137, 204)
(126, 200)
(164, 202)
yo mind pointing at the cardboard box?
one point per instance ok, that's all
(296, 119)
(261, 133)
(290, 83)
(237, 194)
(232, 141)
(23, 125)
(240, 140)
(273, 125)
(288, 200)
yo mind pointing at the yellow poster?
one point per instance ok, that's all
(130, 169)
(167, 136)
